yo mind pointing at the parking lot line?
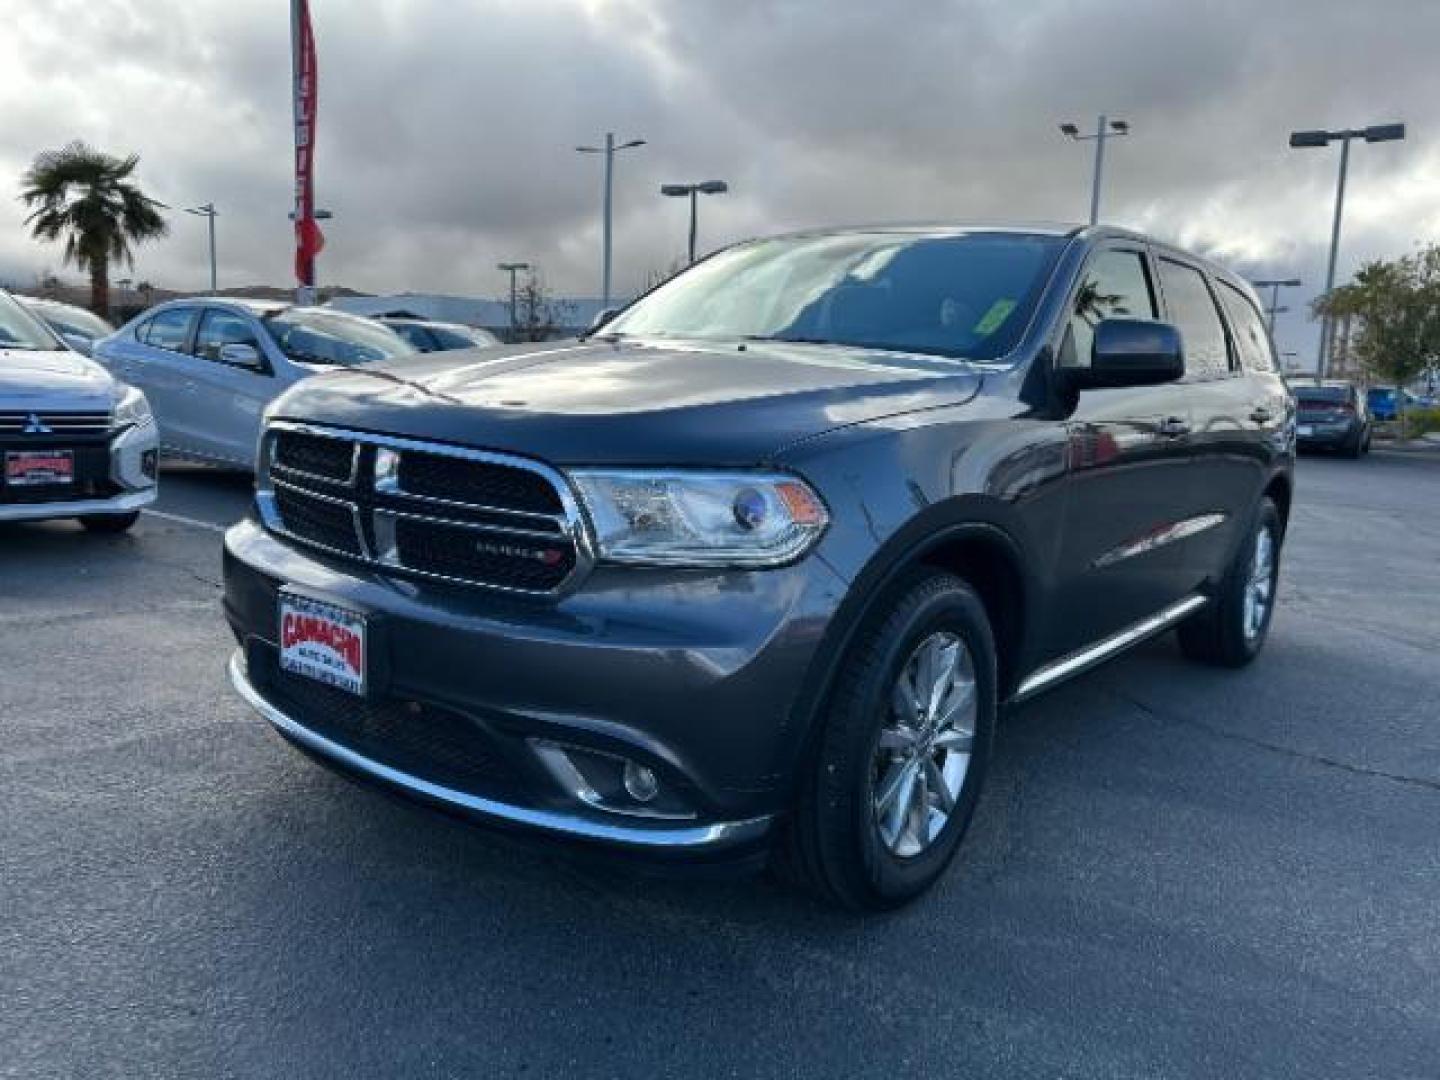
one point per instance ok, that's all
(183, 520)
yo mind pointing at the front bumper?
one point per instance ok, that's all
(693, 675)
(134, 455)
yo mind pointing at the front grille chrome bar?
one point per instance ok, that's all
(377, 501)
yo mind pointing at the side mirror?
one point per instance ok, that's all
(1131, 352)
(241, 355)
(79, 342)
(601, 318)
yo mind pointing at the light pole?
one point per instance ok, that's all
(1105, 128)
(1308, 140)
(609, 150)
(1275, 285)
(209, 212)
(694, 191)
(512, 269)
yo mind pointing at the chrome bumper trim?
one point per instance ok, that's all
(694, 838)
(49, 511)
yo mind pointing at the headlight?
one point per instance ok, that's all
(684, 518)
(131, 409)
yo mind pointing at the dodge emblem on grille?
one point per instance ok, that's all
(35, 426)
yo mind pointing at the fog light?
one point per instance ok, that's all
(640, 782)
(150, 463)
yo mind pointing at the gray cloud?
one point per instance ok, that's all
(447, 128)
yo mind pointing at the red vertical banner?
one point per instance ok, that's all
(308, 239)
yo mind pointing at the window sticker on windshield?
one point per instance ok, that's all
(992, 319)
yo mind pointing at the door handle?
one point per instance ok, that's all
(1172, 426)
(1262, 415)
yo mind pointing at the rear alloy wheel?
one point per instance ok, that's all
(892, 783)
(110, 523)
(1231, 630)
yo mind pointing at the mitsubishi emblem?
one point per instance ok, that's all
(36, 426)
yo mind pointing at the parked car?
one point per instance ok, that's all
(429, 336)
(74, 442)
(1332, 415)
(1384, 403)
(752, 571)
(210, 367)
(78, 327)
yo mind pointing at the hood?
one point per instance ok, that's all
(630, 402)
(59, 380)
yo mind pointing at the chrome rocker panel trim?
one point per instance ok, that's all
(1066, 667)
(694, 838)
(52, 511)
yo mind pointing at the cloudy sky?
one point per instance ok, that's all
(447, 127)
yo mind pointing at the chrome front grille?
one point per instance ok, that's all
(424, 509)
(39, 423)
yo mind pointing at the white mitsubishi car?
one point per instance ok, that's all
(74, 441)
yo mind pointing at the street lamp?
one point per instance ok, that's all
(209, 212)
(609, 150)
(1105, 128)
(1308, 140)
(513, 268)
(1275, 285)
(708, 187)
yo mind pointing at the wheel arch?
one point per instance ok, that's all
(1281, 491)
(969, 539)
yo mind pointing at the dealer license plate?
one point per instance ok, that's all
(39, 468)
(322, 642)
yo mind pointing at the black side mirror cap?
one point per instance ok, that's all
(1131, 352)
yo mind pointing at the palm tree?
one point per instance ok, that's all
(87, 197)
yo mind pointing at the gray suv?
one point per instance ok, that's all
(752, 570)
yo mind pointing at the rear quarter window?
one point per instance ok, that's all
(1252, 339)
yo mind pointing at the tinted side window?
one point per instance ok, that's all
(415, 335)
(1192, 309)
(219, 328)
(1251, 337)
(1116, 285)
(167, 329)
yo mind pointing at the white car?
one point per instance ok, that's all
(74, 441)
(210, 366)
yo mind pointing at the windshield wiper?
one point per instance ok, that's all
(797, 340)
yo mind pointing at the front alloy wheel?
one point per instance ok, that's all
(892, 783)
(923, 753)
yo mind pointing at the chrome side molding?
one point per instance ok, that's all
(1058, 671)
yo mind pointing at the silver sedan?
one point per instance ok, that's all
(209, 367)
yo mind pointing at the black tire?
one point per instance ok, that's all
(832, 843)
(1217, 633)
(1357, 447)
(110, 523)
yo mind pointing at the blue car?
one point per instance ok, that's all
(1383, 402)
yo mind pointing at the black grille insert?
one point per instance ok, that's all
(498, 558)
(329, 524)
(315, 455)
(483, 483)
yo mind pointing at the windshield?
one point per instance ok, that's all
(315, 336)
(21, 330)
(964, 295)
(73, 320)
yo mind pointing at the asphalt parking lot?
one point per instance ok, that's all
(1174, 872)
